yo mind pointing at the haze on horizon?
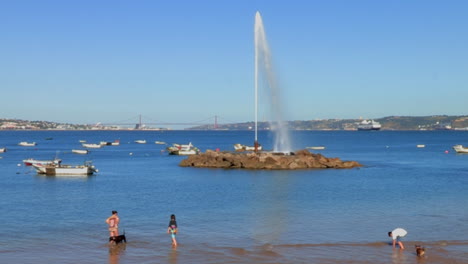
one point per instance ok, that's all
(183, 61)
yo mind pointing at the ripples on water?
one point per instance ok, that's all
(236, 216)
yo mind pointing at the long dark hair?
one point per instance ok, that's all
(173, 217)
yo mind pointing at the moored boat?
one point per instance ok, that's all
(160, 142)
(178, 149)
(90, 145)
(27, 144)
(31, 162)
(3, 150)
(140, 141)
(80, 151)
(316, 147)
(240, 147)
(107, 143)
(460, 149)
(64, 170)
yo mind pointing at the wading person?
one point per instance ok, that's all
(397, 234)
(172, 229)
(113, 222)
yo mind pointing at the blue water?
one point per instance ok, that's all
(236, 216)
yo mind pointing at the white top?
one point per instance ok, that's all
(399, 232)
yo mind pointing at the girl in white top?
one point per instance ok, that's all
(396, 235)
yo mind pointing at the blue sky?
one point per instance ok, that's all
(185, 61)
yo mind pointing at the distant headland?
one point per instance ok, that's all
(434, 122)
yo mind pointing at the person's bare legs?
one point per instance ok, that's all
(401, 245)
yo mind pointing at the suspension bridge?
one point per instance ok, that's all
(140, 122)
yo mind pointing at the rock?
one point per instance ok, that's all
(302, 159)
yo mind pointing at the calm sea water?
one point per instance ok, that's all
(236, 216)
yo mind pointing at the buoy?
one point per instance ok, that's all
(446, 152)
(130, 153)
(19, 164)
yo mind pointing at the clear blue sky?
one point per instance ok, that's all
(183, 61)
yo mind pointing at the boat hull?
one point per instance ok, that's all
(65, 170)
(460, 149)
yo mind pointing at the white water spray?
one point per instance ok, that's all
(263, 65)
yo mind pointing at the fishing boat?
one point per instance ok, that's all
(460, 149)
(178, 149)
(140, 141)
(31, 162)
(27, 144)
(80, 151)
(240, 147)
(90, 145)
(64, 170)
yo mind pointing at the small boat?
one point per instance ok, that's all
(178, 149)
(89, 145)
(31, 162)
(3, 150)
(420, 146)
(240, 147)
(106, 143)
(316, 147)
(63, 170)
(140, 141)
(80, 151)
(160, 142)
(460, 149)
(27, 144)
(82, 141)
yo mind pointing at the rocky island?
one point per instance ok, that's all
(302, 159)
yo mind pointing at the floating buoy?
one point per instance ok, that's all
(446, 152)
(131, 153)
(19, 164)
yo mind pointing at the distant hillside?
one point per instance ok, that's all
(388, 123)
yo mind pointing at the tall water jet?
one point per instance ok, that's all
(264, 66)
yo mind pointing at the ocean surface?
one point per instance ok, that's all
(236, 216)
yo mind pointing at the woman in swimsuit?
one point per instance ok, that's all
(113, 222)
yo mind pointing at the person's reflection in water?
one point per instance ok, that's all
(115, 251)
(173, 256)
(398, 256)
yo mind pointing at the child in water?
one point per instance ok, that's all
(172, 229)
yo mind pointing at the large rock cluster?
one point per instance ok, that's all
(301, 159)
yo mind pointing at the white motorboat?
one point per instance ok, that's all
(27, 144)
(178, 149)
(316, 147)
(31, 162)
(3, 150)
(240, 147)
(64, 170)
(160, 142)
(140, 141)
(460, 149)
(89, 145)
(369, 125)
(80, 151)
